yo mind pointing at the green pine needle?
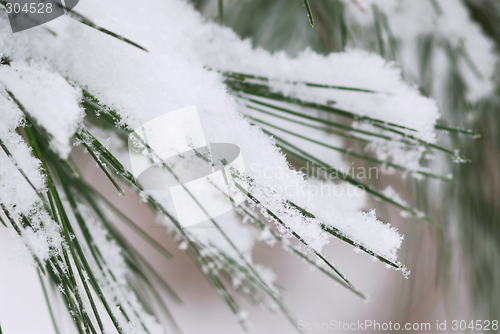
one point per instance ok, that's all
(309, 13)
(221, 12)
(348, 152)
(82, 19)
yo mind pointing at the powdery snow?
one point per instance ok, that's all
(174, 74)
(48, 98)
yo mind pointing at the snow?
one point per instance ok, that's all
(173, 75)
(48, 98)
(411, 20)
(15, 189)
(116, 290)
(16, 193)
(353, 69)
(176, 73)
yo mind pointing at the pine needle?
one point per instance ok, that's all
(82, 19)
(348, 152)
(309, 13)
(49, 304)
(221, 12)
